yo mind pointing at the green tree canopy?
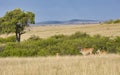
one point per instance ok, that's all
(16, 21)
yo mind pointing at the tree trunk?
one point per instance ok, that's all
(18, 35)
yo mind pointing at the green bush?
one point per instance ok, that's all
(34, 37)
(113, 21)
(11, 39)
(2, 40)
(64, 45)
(117, 21)
(59, 36)
(8, 39)
(79, 35)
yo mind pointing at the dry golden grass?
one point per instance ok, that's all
(47, 31)
(65, 65)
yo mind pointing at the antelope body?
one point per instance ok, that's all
(101, 52)
(86, 51)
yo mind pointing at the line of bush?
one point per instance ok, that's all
(113, 21)
(62, 44)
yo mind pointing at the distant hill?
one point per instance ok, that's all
(73, 21)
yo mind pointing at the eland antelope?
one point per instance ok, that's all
(101, 52)
(86, 51)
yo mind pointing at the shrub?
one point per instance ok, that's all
(34, 37)
(79, 35)
(8, 39)
(117, 21)
(112, 21)
(59, 36)
(11, 39)
(64, 45)
(2, 40)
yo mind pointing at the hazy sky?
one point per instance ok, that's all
(65, 9)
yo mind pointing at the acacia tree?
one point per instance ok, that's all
(16, 21)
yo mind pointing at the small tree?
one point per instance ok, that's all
(16, 21)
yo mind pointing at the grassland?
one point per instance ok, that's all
(61, 65)
(92, 29)
(64, 65)
(47, 31)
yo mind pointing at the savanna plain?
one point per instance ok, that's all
(110, 30)
(62, 65)
(108, 64)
